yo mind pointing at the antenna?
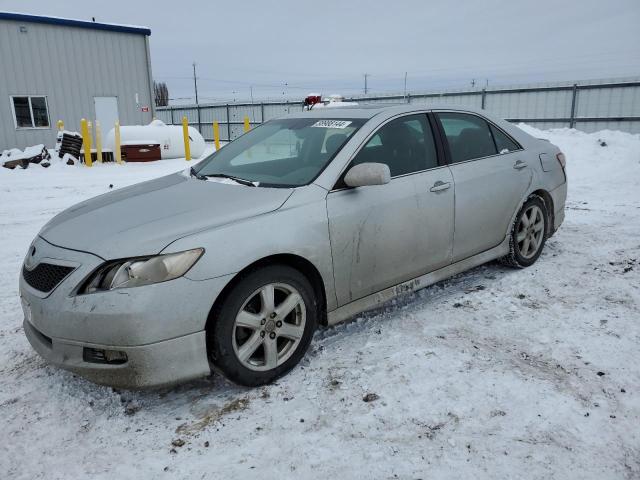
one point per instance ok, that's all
(366, 89)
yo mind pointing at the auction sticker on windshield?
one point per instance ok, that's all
(332, 123)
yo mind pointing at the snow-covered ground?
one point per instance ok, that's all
(497, 373)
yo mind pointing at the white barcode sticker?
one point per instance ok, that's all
(332, 123)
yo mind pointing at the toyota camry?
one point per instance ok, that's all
(231, 265)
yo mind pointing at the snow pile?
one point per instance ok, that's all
(496, 373)
(16, 154)
(606, 154)
(35, 154)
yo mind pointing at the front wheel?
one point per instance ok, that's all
(264, 326)
(528, 234)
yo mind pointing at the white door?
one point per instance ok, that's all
(106, 112)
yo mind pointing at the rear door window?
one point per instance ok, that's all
(468, 136)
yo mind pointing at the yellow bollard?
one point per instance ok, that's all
(216, 135)
(60, 125)
(98, 142)
(247, 126)
(118, 153)
(185, 134)
(84, 129)
(90, 127)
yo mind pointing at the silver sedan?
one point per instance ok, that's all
(304, 221)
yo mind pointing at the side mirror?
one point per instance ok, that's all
(365, 174)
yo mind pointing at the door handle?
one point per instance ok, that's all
(519, 165)
(440, 186)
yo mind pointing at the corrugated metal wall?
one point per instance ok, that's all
(590, 107)
(70, 66)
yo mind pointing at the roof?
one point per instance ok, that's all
(362, 110)
(370, 110)
(68, 22)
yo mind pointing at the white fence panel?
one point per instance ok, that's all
(590, 107)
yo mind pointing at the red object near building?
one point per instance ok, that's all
(141, 153)
(311, 100)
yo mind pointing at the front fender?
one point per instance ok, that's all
(299, 227)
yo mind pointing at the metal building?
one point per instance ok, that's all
(59, 69)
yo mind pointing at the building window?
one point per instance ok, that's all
(30, 111)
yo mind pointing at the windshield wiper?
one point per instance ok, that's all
(195, 174)
(239, 180)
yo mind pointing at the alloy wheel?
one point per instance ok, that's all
(530, 232)
(269, 326)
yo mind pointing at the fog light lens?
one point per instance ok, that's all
(97, 355)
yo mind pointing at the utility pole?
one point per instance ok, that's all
(253, 117)
(405, 85)
(195, 87)
(366, 89)
(195, 82)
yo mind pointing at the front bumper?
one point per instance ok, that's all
(154, 365)
(159, 327)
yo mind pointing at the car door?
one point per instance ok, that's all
(490, 176)
(386, 234)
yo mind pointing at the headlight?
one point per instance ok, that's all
(136, 272)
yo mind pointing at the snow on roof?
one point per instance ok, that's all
(114, 27)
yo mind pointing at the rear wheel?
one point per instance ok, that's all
(264, 326)
(528, 234)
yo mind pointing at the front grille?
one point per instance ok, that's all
(46, 276)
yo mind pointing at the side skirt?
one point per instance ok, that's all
(376, 299)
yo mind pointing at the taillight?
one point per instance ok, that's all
(561, 158)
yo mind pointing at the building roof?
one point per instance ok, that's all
(22, 17)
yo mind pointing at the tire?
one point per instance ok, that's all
(527, 237)
(252, 321)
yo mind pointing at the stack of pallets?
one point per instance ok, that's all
(69, 142)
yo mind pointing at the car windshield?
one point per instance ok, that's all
(281, 153)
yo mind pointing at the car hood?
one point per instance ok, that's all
(144, 218)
